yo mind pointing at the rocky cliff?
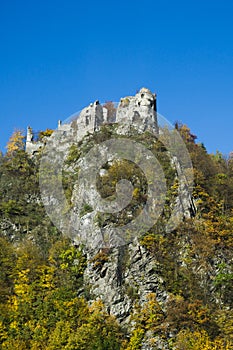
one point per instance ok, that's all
(156, 243)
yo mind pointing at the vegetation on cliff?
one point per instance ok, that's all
(44, 302)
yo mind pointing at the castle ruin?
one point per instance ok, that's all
(139, 112)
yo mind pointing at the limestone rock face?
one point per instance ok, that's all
(129, 274)
(184, 202)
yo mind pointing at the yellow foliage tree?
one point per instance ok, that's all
(199, 340)
(15, 143)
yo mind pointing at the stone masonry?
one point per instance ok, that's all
(137, 111)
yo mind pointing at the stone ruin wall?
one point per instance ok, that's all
(137, 111)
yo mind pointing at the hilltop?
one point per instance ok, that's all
(70, 279)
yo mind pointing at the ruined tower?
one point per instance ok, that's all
(139, 112)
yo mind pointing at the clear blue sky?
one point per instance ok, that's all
(58, 56)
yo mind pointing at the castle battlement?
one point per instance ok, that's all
(139, 111)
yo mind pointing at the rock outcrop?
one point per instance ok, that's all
(128, 272)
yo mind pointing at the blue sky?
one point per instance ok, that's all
(58, 56)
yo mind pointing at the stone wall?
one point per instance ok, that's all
(137, 111)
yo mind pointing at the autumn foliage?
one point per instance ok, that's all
(45, 303)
